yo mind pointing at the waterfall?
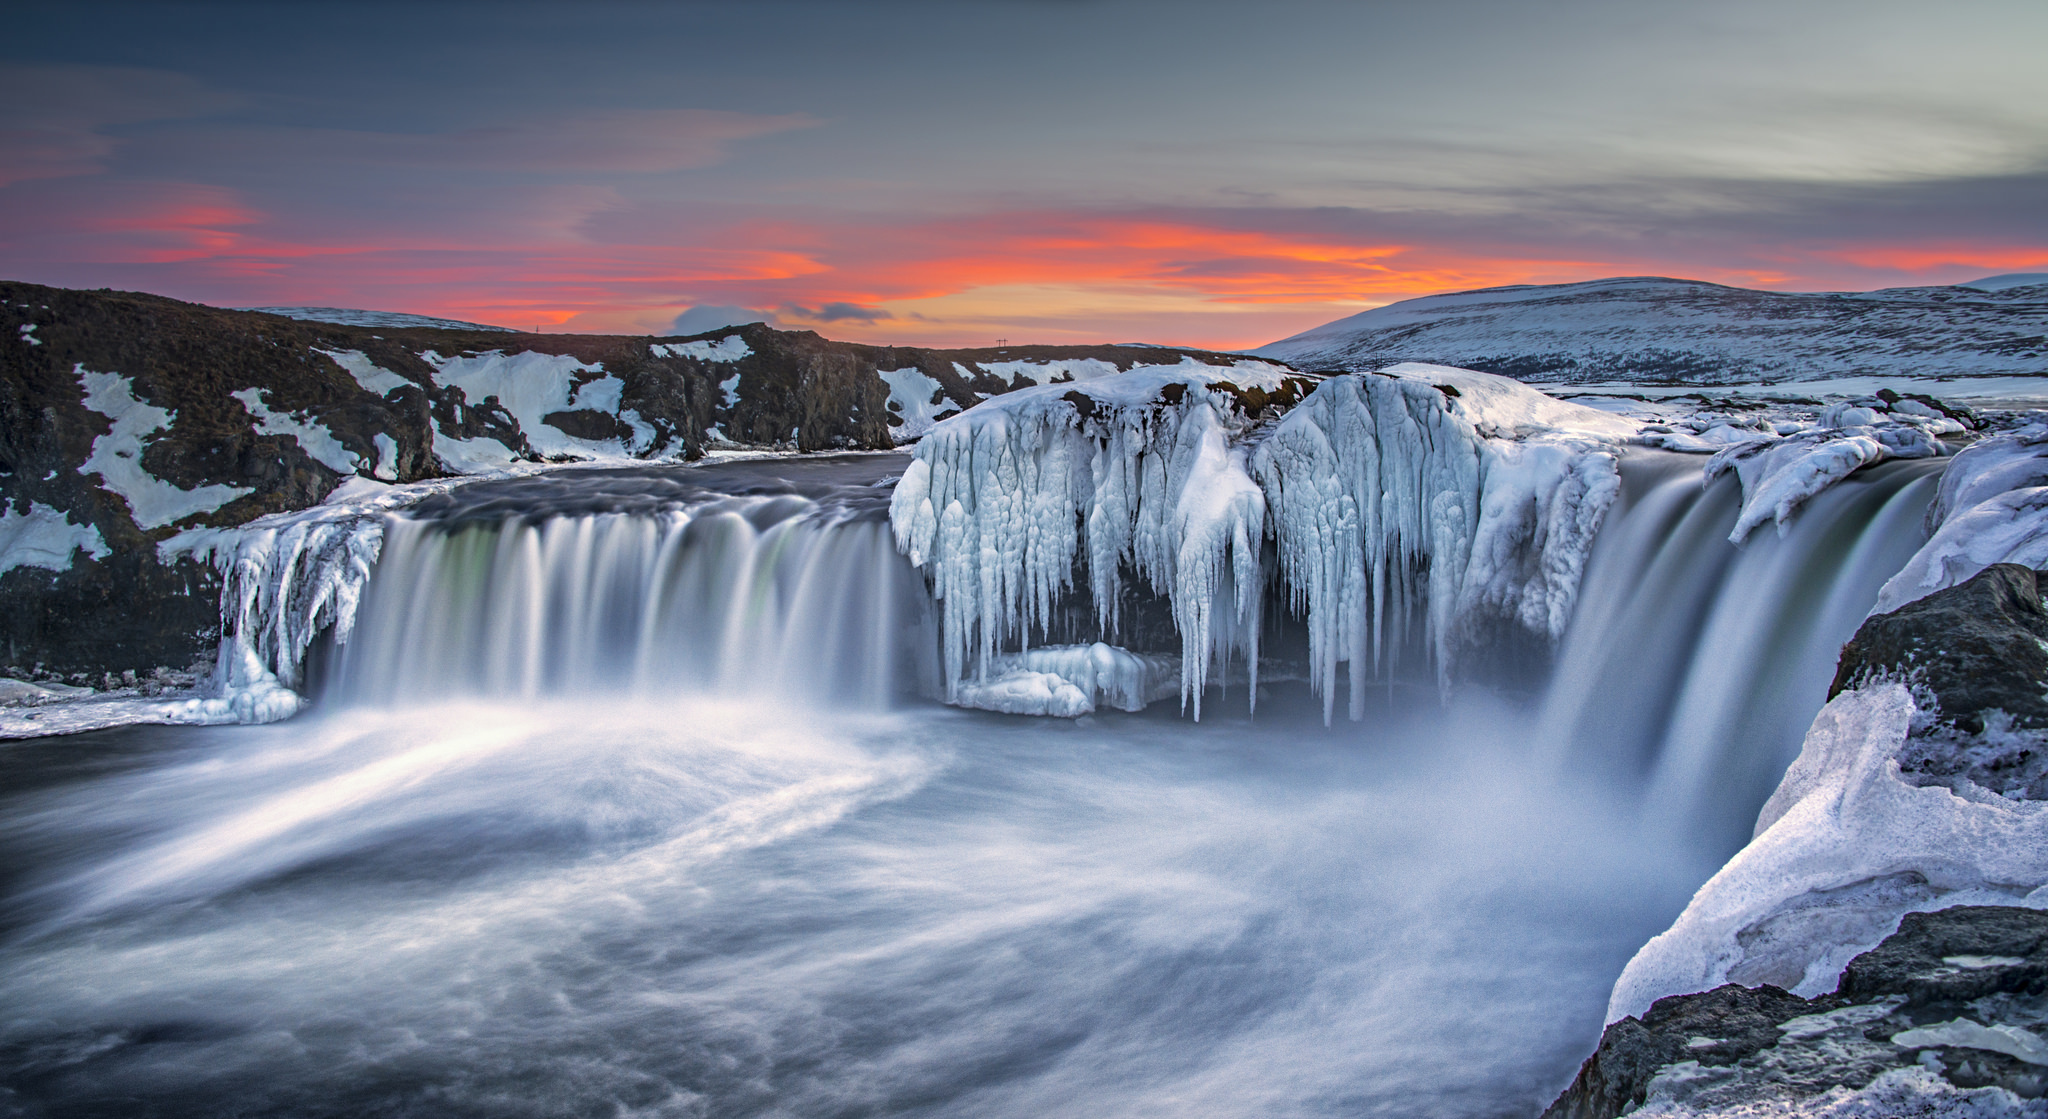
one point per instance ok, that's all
(1694, 665)
(776, 596)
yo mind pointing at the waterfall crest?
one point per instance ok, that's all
(1694, 665)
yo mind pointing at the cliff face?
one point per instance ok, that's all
(130, 423)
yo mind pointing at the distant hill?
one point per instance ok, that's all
(1650, 328)
(344, 316)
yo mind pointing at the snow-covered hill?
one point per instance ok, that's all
(1686, 331)
(393, 320)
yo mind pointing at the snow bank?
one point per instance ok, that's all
(44, 537)
(1137, 472)
(1991, 507)
(1843, 849)
(117, 456)
(1457, 496)
(1070, 680)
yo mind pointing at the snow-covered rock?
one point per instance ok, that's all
(1991, 507)
(1843, 849)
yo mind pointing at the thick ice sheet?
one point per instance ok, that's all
(1843, 849)
(1992, 507)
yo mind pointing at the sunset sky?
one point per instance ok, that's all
(951, 172)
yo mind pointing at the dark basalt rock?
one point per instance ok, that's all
(1979, 646)
(1914, 962)
(1742, 1020)
(1987, 964)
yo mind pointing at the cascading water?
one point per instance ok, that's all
(1693, 665)
(608, 810)
(803, 598)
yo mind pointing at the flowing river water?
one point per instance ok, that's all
(623, 800)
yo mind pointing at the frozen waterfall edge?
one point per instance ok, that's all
(1460, 499)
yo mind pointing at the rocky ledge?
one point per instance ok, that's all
(1946, 1017)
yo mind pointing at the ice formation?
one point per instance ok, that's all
(1071, 680)
(1139, 471)
(1991, 507)
(285, 579)
(1843, 849)
(1779, 474)
(1434, 494)
(117, 456)
(1466, 499)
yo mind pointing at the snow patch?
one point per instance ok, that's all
(313, 438)
(732, 347)
(915, 397)
(373, 378)
(28, 334)
(45, 537)
(117, 456)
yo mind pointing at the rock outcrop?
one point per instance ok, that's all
(1972, 649)
(1947, 1011)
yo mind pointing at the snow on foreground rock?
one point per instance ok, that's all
(1843, 849)
(1419, 487)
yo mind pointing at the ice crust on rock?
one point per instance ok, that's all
(1843, 849)
(1990, 507)
(1779, 474)
(1071, 680)
(1139, 471)
(1461, 498)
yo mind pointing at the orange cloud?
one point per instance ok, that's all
(1044, 274)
